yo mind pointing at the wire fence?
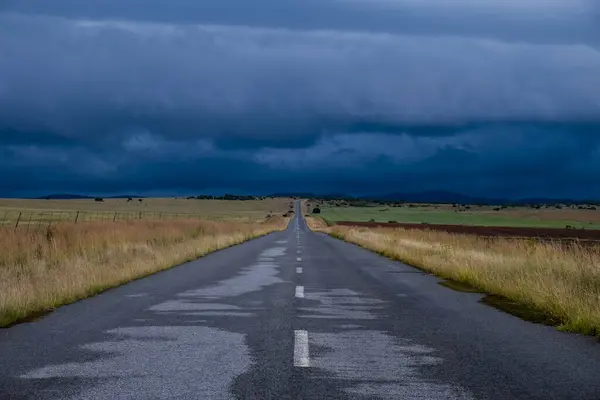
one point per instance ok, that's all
(33, 218)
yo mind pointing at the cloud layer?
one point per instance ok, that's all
(136, 102)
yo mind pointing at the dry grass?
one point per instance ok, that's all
(35, 210)
(46, 268)
(561, 280)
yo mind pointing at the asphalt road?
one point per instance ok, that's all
(293, 315)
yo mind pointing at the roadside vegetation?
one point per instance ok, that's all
(526, 277)
(44, 268)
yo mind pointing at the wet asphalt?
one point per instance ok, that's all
(292, 315)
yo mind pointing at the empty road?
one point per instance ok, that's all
(292, 315)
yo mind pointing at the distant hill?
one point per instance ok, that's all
(445, 197)
(64, 196)
(438, 196)
(70, 196)
(126, 196)
(432, 196)
(294, 194)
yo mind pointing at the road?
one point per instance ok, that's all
(292, 315)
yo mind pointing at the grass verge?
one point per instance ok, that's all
(524, 277)
(44, 269)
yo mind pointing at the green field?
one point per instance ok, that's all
(485, 217)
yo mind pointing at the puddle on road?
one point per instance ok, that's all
(163, 362)
(252, 278)
(186, 362)
(372, 362)
(340, 304)
(377, 365)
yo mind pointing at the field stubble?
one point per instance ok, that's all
(562, 281)
(45, 268)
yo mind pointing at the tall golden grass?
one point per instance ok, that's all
(562, 280)
(46, 268)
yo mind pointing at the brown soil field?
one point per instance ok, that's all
(491, 231)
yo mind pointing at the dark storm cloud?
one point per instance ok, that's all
(91, 78)
(331, 95)
(543, 21)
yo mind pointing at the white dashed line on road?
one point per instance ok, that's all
(301, 358)
(298, 258)
(298, 270)
(300, 292)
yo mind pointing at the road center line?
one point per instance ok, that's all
(298, 270)
(300, 292)
(298, 258)
(301, 358)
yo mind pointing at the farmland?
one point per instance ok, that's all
(550, 217)
(31, 211)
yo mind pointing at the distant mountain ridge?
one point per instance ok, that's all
(446, 197)
(70, 196)
(432, 196)
(438, 196)
(64, 196)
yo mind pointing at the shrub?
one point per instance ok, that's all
(316, 210)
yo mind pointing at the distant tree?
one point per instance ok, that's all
(316, 210)
(99, 199)
(129, 199)
(140, 200)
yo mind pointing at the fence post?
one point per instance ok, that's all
(140, 215)
(18, 219)
(115, 217)
(76, 216)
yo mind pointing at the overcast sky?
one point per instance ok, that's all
(499, 98)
